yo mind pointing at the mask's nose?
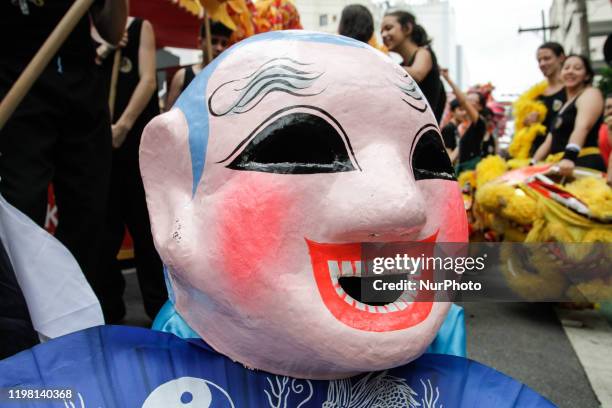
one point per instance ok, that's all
(382, 202)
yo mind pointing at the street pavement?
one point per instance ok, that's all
(527, 342)
(523, 340)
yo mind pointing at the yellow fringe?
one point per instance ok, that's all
(523, 139)
(528, 103)
(466, 177)
(489, 168)
(595, 193)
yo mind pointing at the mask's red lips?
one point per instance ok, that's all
(332, 260)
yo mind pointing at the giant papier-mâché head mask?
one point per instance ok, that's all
(283, 156)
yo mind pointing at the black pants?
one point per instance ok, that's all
(16, 331)
(127, 207)
(60, 134)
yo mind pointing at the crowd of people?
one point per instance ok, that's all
(79, 128)
(571, 122)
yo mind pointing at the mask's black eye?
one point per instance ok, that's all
(296, 143)
(430, 160)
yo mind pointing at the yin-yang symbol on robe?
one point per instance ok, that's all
(188, 392)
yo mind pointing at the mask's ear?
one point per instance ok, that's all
(165, 166)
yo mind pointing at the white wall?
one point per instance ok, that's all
(311, 12)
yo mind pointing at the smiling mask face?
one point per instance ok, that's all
(280, 160)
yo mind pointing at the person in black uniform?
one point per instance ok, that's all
(550, 60)
(450, 132)
(574, 132)
(488, 146)
(136, 104)
(470, 147)
(219, 38)
(59, 133)
(401, 34)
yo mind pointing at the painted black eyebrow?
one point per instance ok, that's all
(275, 79)
(420, 110)
(273, 60)
(410, 89)
(260, 82)
(262, 72)
(281, 111)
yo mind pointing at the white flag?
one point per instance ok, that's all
(59, 299)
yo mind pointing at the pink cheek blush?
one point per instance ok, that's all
(454, 214)
(253, 215)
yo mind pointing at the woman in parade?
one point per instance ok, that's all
(136, 103)
(536, 108)
(550, 60)
(470, 149)
(401, 34)
(573, 134)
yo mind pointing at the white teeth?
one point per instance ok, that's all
(339, 269)
(349, 300)
(334, 271)
(392, 308)
(358, 268)
(344, 268)
(347, 269)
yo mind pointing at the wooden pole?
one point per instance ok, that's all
(209, 53)
(112, 96)
(27, 78)
(581, 10)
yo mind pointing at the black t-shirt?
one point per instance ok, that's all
(470, 142)
(450, 135)
(128, 78)
(487, 147)
(553, 105)
(23, 31)
(189, 76)
(431, 86)
(563, 126)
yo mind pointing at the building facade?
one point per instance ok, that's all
(324, 15)
(566, 15)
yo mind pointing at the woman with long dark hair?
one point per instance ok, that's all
(401, 34)
(573, 133)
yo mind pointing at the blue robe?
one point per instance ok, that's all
(449, 340)
(126, 367)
